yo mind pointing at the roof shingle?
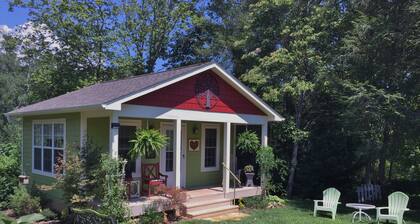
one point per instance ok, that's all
(102, 93)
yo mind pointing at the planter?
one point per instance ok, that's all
(249, 179)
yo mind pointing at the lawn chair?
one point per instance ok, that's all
(329, 202)
(397, 205)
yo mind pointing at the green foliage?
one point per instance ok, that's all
(147, 141)
(113, 201)
(49, 214)
(31, 218)
(151, 216)
(267, 161)
(248, 169)
(275, 201)
(256, 202)
(23, 203)
(81, 183)
(9, 171)
(248, 141)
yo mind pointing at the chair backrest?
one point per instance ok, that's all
(150, 171)
(331, 197)
(397, 203)
(368, 193)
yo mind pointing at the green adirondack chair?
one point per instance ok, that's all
(397, 205)
(329, 202)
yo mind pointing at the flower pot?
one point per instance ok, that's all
(249, 179)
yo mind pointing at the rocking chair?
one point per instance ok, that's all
(151, 177)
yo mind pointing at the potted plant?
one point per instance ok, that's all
(147, 141)
(249, 173)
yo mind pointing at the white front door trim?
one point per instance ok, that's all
(162, 161)
(205, 126)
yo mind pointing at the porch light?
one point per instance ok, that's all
(195, 129)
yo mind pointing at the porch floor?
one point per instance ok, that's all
(241, 192)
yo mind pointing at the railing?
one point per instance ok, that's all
(235, 178)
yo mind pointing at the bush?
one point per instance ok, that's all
(113, 202)
(275, 201)
(49, 214)
(9, 171)
(23, 203)
(248, 142)
(256, 202)
(151, 216)
(82, 182)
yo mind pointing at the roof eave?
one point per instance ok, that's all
(52, 111)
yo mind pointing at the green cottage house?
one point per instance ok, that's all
(199, 107)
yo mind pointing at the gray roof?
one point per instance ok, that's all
(102, 93)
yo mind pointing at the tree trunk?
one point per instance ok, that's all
(294, 162)
(382, 156)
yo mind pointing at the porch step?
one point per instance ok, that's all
(211, 212)
(206, 204)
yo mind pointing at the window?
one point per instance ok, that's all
(125, 135)
(48, 146)
(210, 147)
(169, 152)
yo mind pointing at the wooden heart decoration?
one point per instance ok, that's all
(194, 144)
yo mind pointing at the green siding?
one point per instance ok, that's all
(98, 132)
(196, 178)
(72, 140)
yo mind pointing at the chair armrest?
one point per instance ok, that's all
(318, 201)
(338, 203)
(378, 210)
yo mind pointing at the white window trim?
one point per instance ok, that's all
(47, 121)
(203, 143)
(138, 125)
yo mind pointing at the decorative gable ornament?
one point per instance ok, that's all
(207, 91)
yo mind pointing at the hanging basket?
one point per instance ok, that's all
(23, 179)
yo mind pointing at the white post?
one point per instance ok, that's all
(264, 134)
(113, 137)
(178, 153)
(226, 156)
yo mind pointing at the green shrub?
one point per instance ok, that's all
(249, 169)
(256, 202)
(248, 142)
(49, 214)
(113, 201)
(275, 201)
(151, 217)
(23, 203)
(9, 171)
(31, 218)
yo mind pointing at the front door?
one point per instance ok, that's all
(126, 133)
(167, 154)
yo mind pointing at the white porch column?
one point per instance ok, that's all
(178, 153)
(113, 136)
(226, 156)
(264, 134)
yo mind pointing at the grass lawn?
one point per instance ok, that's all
(300, 212)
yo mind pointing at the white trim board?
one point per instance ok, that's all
(205, 126)
(134, 111)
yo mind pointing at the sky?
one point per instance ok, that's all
(19, 16)
(11, 19)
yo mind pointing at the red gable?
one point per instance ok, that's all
(202, 92)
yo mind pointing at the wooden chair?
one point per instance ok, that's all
(397, 205)
(151, 177)
(329, 202)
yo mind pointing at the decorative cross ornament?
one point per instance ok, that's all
(207, 91)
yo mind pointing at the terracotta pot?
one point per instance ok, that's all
(249, 179)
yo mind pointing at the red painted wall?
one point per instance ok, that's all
(181, 95)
